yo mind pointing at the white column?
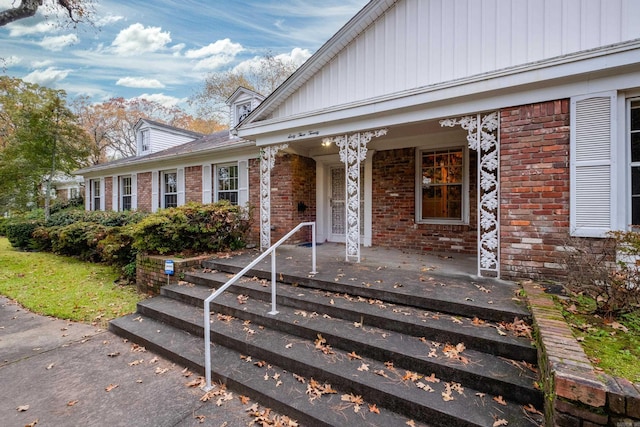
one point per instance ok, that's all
(267, 160)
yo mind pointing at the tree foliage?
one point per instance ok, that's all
(40, 136)
(263, 76)
(75, 10)
(110, 124)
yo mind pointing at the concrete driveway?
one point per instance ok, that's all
(60, 373)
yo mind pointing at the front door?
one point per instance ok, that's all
(337, 209)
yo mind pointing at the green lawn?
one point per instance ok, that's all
(64, 287)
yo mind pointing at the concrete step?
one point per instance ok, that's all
(244, 377)
(481, 371)
(438, 402)
(486, 299)
(476, 333)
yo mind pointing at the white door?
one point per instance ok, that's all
(337, 196)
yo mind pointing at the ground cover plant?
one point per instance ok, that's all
(64, 287)
(602, 300)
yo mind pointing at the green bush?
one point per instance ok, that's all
(61, 205)
(117, 249)
(19, 231)
(192, 228)
(80, 239)
(3, 224)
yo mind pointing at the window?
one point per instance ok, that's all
(95, 194)
(145, 143)
(242, 111)
(634, 140)
(73, 193)
(125, 193)
(169, 189)
(441, 185)
(226, 182)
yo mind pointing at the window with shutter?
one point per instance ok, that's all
(592, 143)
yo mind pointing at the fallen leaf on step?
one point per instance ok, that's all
(22, 408)
(244, 399)
(32, 424)
(110, 387)
(200, 418)
(50, 366)
(500, 422)
(72, 402)
(500, 400)
(364, 367)
(532, 409)
(353, 356)
(373, 408)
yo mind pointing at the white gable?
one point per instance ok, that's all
(152, 137)
(420, 43)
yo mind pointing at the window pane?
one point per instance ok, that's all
(635, 211)
(635, 115)
(170, 183)
(170, 200)
(635, 181)
(635, 147)
(442, 179)
(126, 203)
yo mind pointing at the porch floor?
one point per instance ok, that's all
(450, 279)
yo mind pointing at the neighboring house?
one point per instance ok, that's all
(172, 167)
(493, 127)
(67, 187)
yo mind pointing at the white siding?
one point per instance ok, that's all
(161, 140)
(134, 191)
(418, 43)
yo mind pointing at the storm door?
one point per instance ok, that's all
(337, 204)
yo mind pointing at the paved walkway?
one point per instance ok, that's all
(61, 370)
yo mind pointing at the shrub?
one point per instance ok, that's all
(79, 239)
(192, 228)
(117, 249)
(605, 270)
(19, 231)
(3, 224)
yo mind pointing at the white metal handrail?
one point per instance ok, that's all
(272, 251)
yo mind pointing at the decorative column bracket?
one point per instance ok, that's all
(267, 160)
(353, 151)
(482, 136)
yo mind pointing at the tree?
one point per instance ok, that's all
(43, 138)
(110, 124)
(76, 10)
(263, 76)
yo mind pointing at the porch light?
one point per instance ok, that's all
(326, 142)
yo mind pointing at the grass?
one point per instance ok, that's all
(64, 287)
(613, 345)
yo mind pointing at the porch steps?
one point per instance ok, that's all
(314, 335)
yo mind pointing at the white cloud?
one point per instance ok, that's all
(109, 19)
(176, 49)
(46, 77)
(18, 29)
(56, 43)
(10, 60)
(139, 82)
(160, 98)
(213, 62)
(224, 47)
(297, 56)
(41, 64)
(138, 39)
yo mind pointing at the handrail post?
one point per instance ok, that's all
(273, 283)
(207, 347)
(207, 301)
(313, 248)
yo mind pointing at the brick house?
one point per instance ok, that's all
(488, 127)
(491, 127)
(174, 166)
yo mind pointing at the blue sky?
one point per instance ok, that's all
(161, 50)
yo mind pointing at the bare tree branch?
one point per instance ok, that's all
(76, 9)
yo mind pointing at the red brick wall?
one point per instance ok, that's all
(62, 195)
(293, 180)
(144, 191)
(534, 179)
(394, 210)
(108, 192)
(193, 184)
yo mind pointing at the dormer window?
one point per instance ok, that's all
(242, 111)
(145, 140)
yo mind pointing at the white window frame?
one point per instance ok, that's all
(630, 163)
(243, 109)
(216, 182)
(74, 192)
(96, 195)
(464, 218)
(123, 194)
(163, 187)
(145, 140)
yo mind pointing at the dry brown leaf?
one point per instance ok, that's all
(242, 299)
(363, 367)
(477, 321)
(50, 366)
(500, 400)
(532, 409)
(411, 376)
(299, 378)
(197, 382)
(411, 423)
(373, 408)
(500, 422)
(72, 402)
(32, 424)
(22, 408)
(110, 387)
(353, 356)
(244, 399)
(200, 418)
(136, 362)
(432, 378)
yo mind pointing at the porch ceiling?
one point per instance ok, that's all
(399, 136)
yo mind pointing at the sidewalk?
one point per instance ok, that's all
(62, 371)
